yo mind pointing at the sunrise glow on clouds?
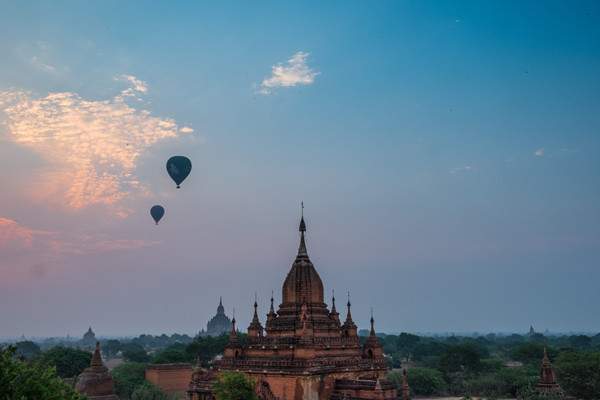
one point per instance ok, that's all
(92, 146)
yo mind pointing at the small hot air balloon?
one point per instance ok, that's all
(179, 168)
(157, 213)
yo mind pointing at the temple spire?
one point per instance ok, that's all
(348, 314)
(333, 310)
(233, 329)
(272, 310)
(96, 357)
(302, 228)
(372, 333)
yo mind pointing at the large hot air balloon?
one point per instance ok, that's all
(157, 213)
(179, 168)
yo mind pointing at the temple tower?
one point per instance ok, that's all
(95, 382)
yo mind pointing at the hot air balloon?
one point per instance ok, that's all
(157, 213)
(179, 168)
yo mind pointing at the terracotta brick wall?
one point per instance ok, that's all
(170, 378)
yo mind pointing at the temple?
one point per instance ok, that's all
(547, 384)
(95, 382)
(304, 351)
(89, 338)
(219, 324)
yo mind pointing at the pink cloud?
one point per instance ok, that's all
(91, 147)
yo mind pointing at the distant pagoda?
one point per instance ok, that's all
(219, 324)
(89, 338)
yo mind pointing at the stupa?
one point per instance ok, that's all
(95, 382)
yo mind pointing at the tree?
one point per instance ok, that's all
(580, 341)
(27, 350)
(206, 348)
(111, 347)
(464, 357)
(234, 386)
(147, 391)
(21, 380)
(422, 381)
(135, 352)
(68, 362)
(579, 373)
(175, 353)
(127, 377)
(531, 352)
(406, 344)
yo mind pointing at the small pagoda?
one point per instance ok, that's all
(547, 385)
(95, 382)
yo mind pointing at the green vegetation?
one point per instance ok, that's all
(26, 380)
(68, 362)
(234, 386)
(27, 350)
(579, 373)
(127, 377)
(147, 391)
(494, 366)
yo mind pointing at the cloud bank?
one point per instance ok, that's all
(91, 146)
(295, 72)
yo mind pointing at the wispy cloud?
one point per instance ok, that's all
(135, 87)
(464, 168)
(92, 146)
(539, 152)
(295, 72)
(39, 64)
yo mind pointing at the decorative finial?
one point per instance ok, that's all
(348, 299)
(302, 223)
(255, 300)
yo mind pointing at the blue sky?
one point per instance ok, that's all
(447, 155)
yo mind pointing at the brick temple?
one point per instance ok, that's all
(304, 351)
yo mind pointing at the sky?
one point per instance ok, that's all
(447, 154)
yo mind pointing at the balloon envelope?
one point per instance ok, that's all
(179, 168)
(157, 213)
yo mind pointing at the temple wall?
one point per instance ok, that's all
(170, 378)
(312, 387)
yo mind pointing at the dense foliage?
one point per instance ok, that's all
(27, 350)
(147, 391)
(494, 366)
(68, 362)
(127, 377)
(234, 386)
(21, 380)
